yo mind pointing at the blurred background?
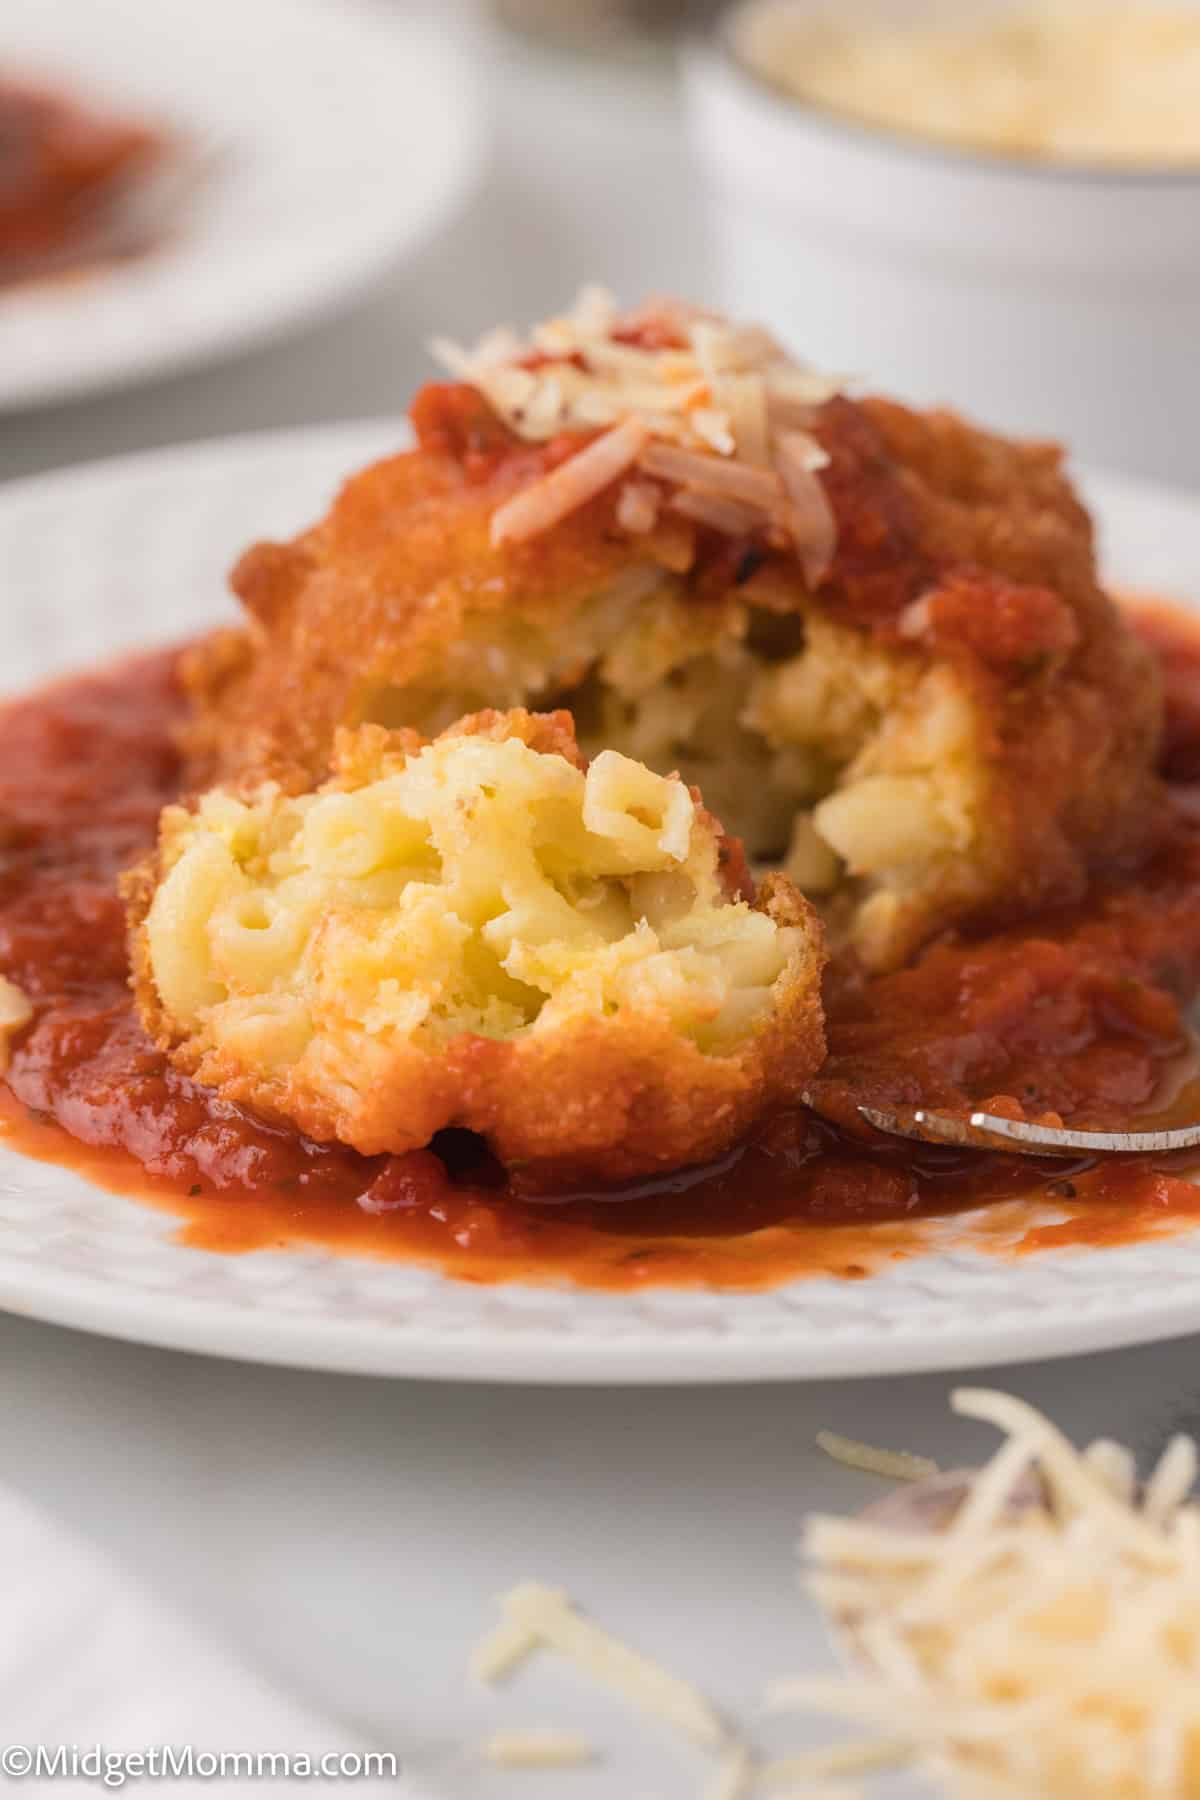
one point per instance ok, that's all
(1007, 220)
(580, 172)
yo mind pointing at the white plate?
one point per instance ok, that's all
(134, 552)
(340, 133)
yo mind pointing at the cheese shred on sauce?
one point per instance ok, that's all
(15, 1012)
(711, 424)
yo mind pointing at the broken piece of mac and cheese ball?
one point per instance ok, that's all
(481, 932)
(875, 638)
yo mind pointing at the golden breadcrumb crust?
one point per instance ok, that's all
(615, 1070)
(954, 728)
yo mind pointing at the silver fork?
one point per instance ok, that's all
(988, 1131)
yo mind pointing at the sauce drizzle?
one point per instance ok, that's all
(1079, 1013)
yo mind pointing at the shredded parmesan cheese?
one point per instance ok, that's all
(537, 1747)
(894, 1465)
(810, 516)
(1172, 1481)
(702, 406)
(505, 1647)
(708, 474)
(15, 1011)
(731, 516)
(1047, 1640)
(548, 1614)
(1114, 1465)
(571, 485)
(637, 506)
(734, 1776)
(810, 1789)
(1041, 1639)
(796, 1772)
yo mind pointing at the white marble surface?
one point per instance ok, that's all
(347, 1533)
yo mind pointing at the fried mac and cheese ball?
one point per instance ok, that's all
(479, 932)
(874, 637)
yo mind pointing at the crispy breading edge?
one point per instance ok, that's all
(598, 1099)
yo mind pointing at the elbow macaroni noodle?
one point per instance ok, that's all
(478, 886)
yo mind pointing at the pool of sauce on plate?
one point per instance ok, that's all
(1077, 1013)
(69, 173)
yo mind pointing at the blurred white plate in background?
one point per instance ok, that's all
(338, 133)
(132, 552)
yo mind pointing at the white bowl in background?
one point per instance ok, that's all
(1052, 299)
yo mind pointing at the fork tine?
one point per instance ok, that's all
(988, 1131)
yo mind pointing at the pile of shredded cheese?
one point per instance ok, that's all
(1084, 80)
(1047, 1641)
(1040, 1641)
(689, 413)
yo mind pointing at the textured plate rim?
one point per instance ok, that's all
(638, 1354)
(550, 1360)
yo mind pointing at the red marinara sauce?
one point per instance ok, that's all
(1078, 1013)
(66, 171)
